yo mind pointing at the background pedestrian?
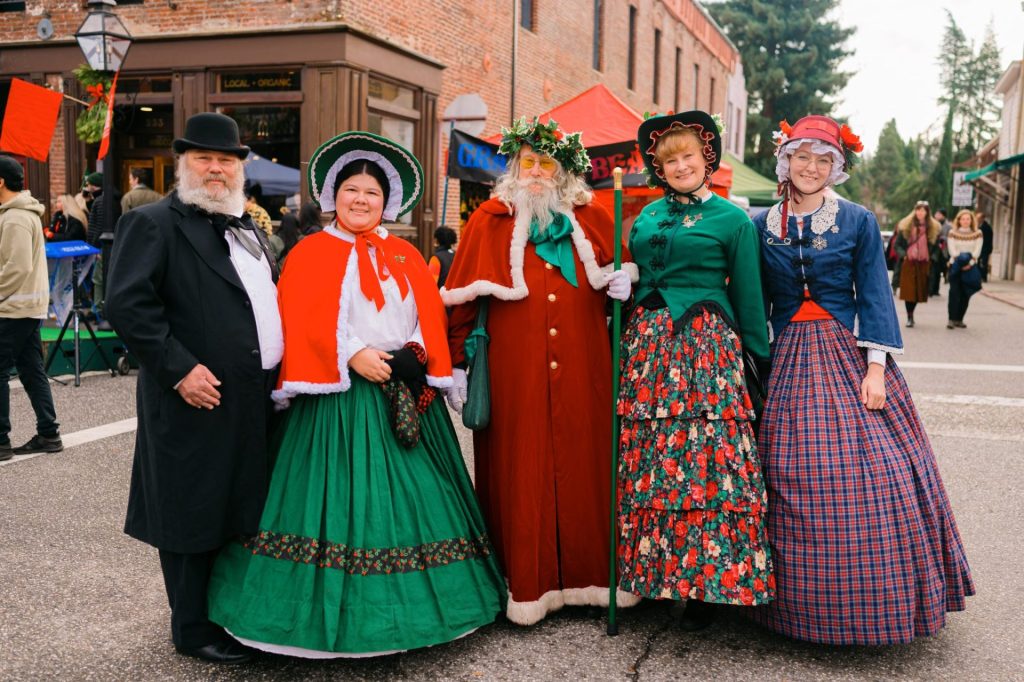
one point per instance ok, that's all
(986, 244)
(918, 233)
(444, 252)
(965, 242)
(24, 298)
(940, 257)
(69, 220)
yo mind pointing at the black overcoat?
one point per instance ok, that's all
(199, 476)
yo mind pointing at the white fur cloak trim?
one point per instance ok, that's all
(440, 382)
(289, 389)
(517, 250)
(531, 612)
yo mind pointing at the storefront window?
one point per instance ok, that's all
(391, 93)
(393, 114)
(272, 132)
(144, 85)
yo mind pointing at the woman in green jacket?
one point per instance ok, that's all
(690, 490)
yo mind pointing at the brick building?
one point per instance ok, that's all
(295, 72)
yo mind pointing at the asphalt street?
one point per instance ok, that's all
(81, 601)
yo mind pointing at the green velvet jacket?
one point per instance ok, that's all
(700, 253)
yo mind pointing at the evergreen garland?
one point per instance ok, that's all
(89, 126)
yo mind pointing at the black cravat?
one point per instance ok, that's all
(237, 227)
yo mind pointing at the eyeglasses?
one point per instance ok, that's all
(545, 162)
(823, 163)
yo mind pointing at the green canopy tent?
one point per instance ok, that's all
(746, 182)
(998, 165)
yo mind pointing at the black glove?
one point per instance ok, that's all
(406, 366)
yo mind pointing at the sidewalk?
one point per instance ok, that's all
(1005, 291)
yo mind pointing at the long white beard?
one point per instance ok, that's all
(193, 191)
(538, 206)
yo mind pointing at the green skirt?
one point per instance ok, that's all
(365, 547)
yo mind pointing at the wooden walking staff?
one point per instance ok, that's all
(613, 582)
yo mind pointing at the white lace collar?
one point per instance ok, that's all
(822, 220)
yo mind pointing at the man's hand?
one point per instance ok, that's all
(619, 286)
(198, 388)
(872, 389)
(369, 364)
(458, 391)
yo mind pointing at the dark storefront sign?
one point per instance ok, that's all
(271, 81)
(605, 158)
(475, 160)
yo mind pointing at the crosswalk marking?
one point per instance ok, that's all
(967, 366)
(84, 436)
(985, 400)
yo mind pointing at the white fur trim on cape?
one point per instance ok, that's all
(517, 251)
(531, 612)
(440, 382)
(289, 389)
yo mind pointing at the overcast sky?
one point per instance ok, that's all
(894, 66)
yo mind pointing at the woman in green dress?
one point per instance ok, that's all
(691, 498)
(371, 541)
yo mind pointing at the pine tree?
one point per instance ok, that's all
(791, 54)
(888, 169)
(967, 79)
(940, 183)
(980, 115)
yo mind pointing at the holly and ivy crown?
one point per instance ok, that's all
(547, 139)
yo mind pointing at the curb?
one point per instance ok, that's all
(1002, 299)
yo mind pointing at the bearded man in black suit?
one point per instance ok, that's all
(192, 294)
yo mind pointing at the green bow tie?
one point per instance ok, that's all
(554, 245)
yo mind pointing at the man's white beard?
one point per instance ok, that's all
(539, 206)
(192, 191)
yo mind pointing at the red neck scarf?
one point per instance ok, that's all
(388, 264)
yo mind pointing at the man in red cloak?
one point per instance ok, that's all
(542, 252)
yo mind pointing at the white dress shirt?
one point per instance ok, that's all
(259, 285)
(389, 328)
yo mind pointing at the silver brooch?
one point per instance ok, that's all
(835, 229)
(691, 220)
(819, 243)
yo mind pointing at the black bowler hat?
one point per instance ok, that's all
(215, 132)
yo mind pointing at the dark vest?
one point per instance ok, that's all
(446, 257)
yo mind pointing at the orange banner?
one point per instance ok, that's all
(30, 120)
(105, 140)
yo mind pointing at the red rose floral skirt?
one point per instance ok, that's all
(691, 497)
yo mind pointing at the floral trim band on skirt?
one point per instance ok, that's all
(374, 561)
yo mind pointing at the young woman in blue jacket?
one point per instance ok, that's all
(865, 546)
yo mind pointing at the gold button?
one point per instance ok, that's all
(552, 297)
(553, 332)
(549, 266)
(554, 365)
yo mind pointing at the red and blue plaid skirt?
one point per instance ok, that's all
(691, 498)
(865, 545)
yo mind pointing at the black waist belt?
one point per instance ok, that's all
(653, 301)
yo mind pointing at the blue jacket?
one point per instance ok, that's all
(841, 260)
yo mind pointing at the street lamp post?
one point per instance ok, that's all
(105, 40)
